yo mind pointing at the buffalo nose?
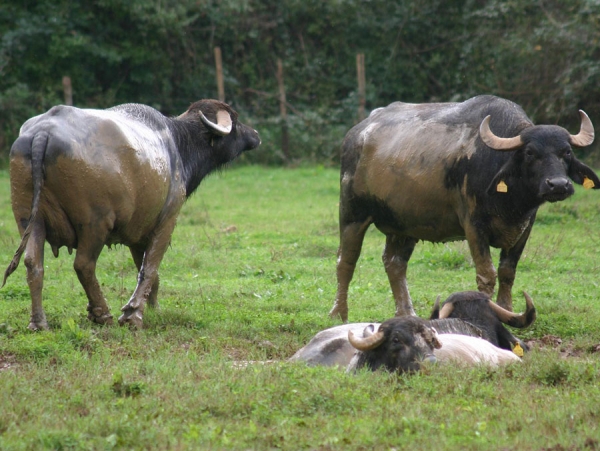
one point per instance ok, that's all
(430, 359)
(558, 184)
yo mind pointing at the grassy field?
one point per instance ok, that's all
(251, 276)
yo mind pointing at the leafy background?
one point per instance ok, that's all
(542, 54)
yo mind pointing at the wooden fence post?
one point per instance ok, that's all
(360, 73)
(285, 146)
(68, 90)
(219, 67)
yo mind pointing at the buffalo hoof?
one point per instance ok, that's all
(339, 312)
(132, 317)
(405, 311)
(99, 316)
(38, 325)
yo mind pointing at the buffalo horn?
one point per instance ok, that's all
(585, 137)
(436, 304)
(369, 330)
(367, 343)
(446, 310)
(495, 142)
(223, 125)
(513, 319)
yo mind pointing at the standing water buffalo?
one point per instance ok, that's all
(84, 178)
(448, 171)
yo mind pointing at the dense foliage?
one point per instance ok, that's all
(543, 55)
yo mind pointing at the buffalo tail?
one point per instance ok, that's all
(38, 150)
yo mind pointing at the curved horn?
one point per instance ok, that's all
(435, 312)
(446, 310)
(513, 319)
(369, 330)
(585, 137)
(365, 344)
(530, 312)
(495, 142)
(223, 125)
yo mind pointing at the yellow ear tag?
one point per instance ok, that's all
(502, 188)
(518, 350)
(587, 183)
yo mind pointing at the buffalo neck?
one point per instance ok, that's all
(194, 147)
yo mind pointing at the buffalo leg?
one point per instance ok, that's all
(34, 262)
(351, 239)
(138, 258)
(395, 258)
(133, 311)
(507, 269)
(89, 247)
(480, 251)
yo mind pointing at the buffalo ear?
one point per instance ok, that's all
(578, 172)
(431, 337)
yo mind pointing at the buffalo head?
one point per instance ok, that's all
(543, 158)
(478, 309)
(400, 344)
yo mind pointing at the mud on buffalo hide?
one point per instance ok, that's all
(85, 178)
(476, 170)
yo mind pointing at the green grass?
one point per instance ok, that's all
(251, 276)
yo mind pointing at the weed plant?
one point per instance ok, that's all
(250, 276)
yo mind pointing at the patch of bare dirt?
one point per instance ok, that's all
(565, 348)
(7, 361)
(589, 444)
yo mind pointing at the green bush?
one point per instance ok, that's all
(543, 56)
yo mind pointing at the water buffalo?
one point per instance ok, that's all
(476, 170)
(398, 344)
(401, 344)
(469, 351)
(468, 327)
(85, 178)
(477, 309)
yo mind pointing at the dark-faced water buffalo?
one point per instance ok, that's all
(448, 171)
(84, 178)
(410, 341)
(401, 344)
(398, 344)
(468, 326)
(477, 309)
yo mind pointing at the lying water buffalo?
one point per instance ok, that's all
(398, 344)
(85, 178)
(476, 170)
(401, 344)
(477, 309)
(468, 328)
